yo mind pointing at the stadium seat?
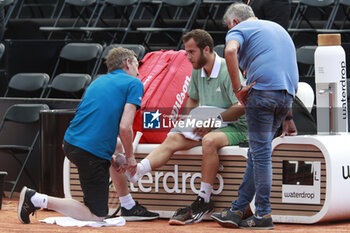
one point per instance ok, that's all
(305, 56)
(220, 49)
(302, 21)
(345, 6)
(21, 115)
(9, 6)
(124, 10)
(37, 9)
(78, 58)
(27, 85)
(68, 86)
(184, 14)
(138, 49)
(73, 15)
(211, 11)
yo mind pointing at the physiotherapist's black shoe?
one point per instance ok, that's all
(25, 205)
(138, 213)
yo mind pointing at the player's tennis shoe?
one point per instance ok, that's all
(193, 213)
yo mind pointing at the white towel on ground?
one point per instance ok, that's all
(71, 222)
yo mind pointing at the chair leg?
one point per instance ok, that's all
(25, 169)
(23, 166)
(19, 175)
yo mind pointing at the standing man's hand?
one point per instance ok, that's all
(242, 94)
(289, 128)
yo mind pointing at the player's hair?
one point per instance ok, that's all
(201, 37)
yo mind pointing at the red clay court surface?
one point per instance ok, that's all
(10, 223)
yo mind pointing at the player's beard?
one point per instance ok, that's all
(202, 60)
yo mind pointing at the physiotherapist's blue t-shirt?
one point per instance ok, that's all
(95, 127)
(267, 53)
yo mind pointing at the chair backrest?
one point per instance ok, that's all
(344, 2)
(317, 3)
(180, 2)
(37, 9)
(220, 49)
(137, 48)
(6, 2)
(122, 2)
(81, 2)
(88, 53)
(28, 82)
(305, 59)
(80, 13)
(69, 85)
(81, 51)
(305, 54)
(70, 82)
(23, 113)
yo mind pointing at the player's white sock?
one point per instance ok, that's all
(205, 191)
(127, 201)
(146, 166)
(39, 200)
(142, 168)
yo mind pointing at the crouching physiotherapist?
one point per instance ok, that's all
(106, 111)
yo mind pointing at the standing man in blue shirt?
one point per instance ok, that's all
(267, 53)
(106, 111)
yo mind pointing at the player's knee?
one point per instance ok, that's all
(208, 142)
(174, 142)
(173, 138)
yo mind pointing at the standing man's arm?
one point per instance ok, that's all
(231, 52)
(231, 57)
(126, 135)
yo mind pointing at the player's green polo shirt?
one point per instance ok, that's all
(216, 89)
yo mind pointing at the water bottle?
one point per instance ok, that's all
(119, 160)
(331, 90)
